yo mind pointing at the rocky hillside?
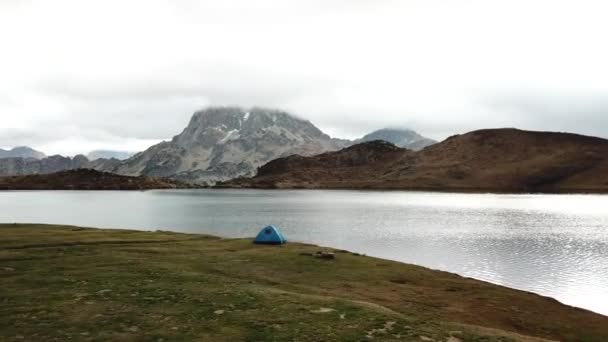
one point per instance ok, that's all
(226, 142)
(219, 143)
(21, 152)
(56, 163)
(486, 160)
(405, 138)
(85, 179)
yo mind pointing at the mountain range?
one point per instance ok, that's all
(266, 148)
(56, 163)
(109, 154)
(504, 160)
(21, 152)
(218, 144)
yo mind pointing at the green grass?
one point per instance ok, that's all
(61, 282)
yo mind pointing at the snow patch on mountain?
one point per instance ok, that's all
(221, 143)
(231, 135)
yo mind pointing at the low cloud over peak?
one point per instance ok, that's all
(115, 75)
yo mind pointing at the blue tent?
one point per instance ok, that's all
(270, 235)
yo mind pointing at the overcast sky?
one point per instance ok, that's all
(81, 75)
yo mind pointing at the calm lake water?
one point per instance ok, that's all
(555, 245)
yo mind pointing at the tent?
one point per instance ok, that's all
(270, 235)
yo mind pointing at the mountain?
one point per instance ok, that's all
(405, 138)
(109, 154)
(221, 143)
(21, 152)
(84, 179)
(506, 160)
(56, 163)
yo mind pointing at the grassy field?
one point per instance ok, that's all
(61, 282)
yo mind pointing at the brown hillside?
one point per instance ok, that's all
(487, 160)
(84, 179)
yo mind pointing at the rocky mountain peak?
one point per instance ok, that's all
(219, 125)
(225, 142)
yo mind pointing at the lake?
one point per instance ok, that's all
(554, 245)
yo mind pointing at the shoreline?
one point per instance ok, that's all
(496, 191)
(296, 242)
(419, 190)
(403, 289)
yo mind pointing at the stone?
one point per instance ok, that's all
(325, 255)
(453, 339)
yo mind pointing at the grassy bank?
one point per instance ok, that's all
(59, 283)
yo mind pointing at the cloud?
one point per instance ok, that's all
(558, 111)
(77, 74)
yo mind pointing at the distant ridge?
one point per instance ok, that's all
(56, 163)
(21, 152)
(85, 179)
(109, 154)
(405, 138)
(504, 160)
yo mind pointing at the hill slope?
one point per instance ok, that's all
(485, 160)
(61, 283)
(84, 179)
